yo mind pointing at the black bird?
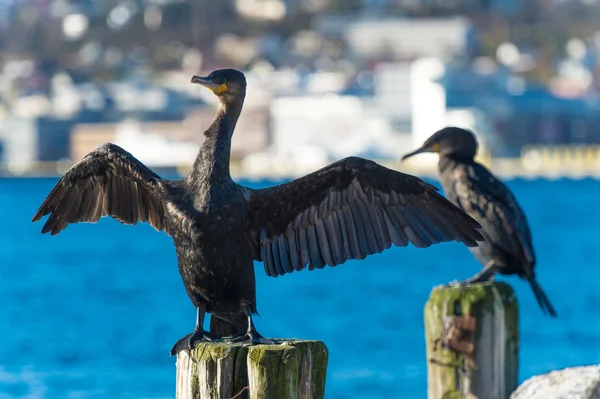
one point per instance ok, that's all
(507, 248)
(347, 210)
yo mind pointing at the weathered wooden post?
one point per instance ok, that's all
(220, 370)
(472, 337)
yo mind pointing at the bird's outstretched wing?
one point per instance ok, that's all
(348, 210)
(108, 181)
(485, 198)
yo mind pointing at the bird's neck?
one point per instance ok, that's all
(449, 161)
(212, 163)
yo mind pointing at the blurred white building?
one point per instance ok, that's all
(406, 39)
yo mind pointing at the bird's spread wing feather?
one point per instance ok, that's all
(109, 181)
(490, 202)
(349, 210)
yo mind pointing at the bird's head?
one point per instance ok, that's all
(228, 84)
(450, 141)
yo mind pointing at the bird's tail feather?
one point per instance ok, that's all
(233, 325)
(541, 297)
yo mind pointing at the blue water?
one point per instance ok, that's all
(93, 312)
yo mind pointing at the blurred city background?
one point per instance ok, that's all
(93, 311)
(327, 79)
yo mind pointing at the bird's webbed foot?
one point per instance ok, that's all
(189, 341)
(486, 274)
(453, 283)
(252, 337)
(475, 279)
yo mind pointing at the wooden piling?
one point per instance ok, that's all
(472, 337)
(294, 369)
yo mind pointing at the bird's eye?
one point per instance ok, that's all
(219, 80)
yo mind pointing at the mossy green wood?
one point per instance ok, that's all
(273, 372)
(296, 369)
(293, 369)
(212, 371)
(312, 362)
(494, 374)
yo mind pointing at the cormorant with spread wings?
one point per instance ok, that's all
(348, 210)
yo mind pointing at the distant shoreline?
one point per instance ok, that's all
(507, 168)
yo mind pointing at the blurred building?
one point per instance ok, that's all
(407, 39)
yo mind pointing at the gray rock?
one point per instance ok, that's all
(571, 383)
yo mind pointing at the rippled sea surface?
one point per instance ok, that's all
(93, 312)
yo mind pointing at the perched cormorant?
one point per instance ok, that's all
(347, 210)
(507, 248)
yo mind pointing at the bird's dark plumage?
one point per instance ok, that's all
(107, 182)
(347, 210)
(508, 247)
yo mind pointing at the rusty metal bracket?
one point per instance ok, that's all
(459, 333)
